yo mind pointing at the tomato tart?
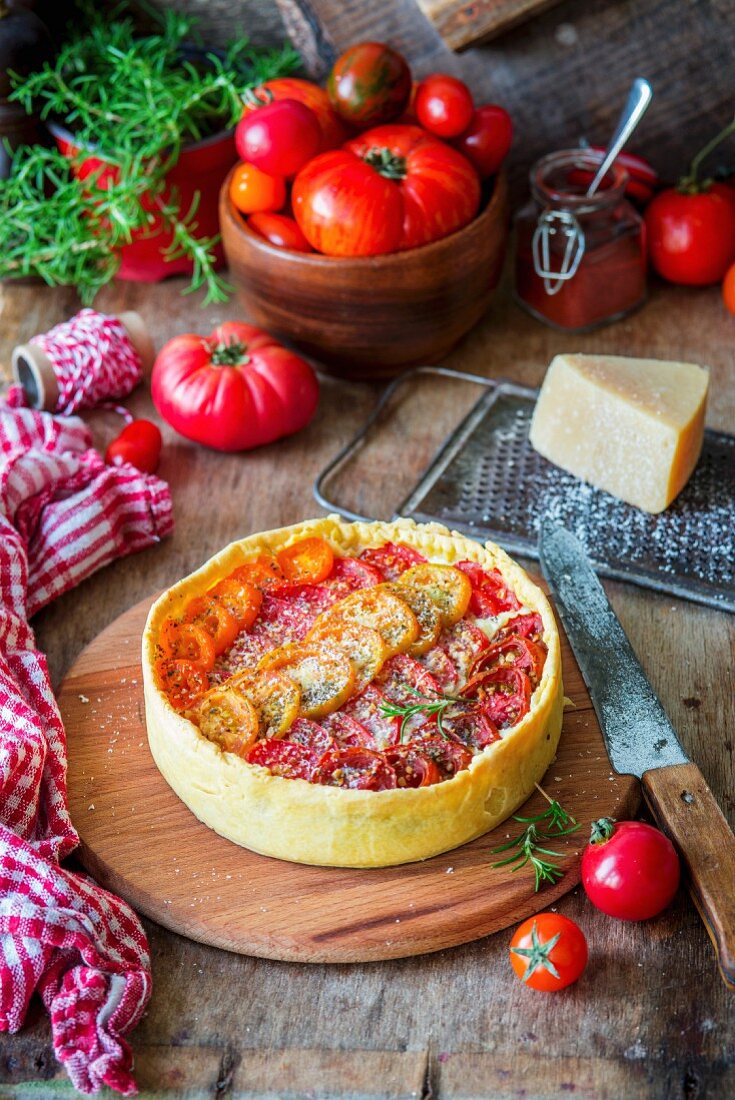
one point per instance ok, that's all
(353, 694)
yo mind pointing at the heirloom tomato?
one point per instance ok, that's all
(487, 139)
(629, 869)
(388, 189)
(548, 952)
(443, 105)
(333, 130)
(235, 389)
(370, 83)
(253, 191)
(139, 443)
(279, 230)
(278, 138)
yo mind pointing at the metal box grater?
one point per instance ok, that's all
(488, 482)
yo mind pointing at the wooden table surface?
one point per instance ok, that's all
(650, 1017)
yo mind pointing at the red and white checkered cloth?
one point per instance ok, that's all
(63, 514)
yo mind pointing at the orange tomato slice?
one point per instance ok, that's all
(326, 678)
(210, 613)
(187, 642)
(183, 681)
(241, 599)
(262, 572)
(308, 561)
(227, 718)
(275, 696)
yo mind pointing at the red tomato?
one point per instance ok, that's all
(443, 105)
(504, 694)
(391, 188)
(235, 389)
(333, 130)
(487, 140)
(527, 626)
(642, 177)
(548, 952)
(283, 758)
(629, 870)
(253, 191)
(412, 767)
(490, 593)
(356, 769)
(691, 237)
(449, 756)
(139, 444)
(728, 289)
(278, 138)
(392, 559)
(515, 651)
(279, 230)
(369, 83)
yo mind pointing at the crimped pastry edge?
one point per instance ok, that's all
(302, 822)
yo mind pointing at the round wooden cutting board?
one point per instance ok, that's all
(140, 841)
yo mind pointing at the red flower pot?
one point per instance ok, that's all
(201, 167)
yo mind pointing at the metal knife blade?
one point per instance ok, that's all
(637, 733)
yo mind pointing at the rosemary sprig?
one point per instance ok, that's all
(432, 706)
(528, 847)
(135, 101)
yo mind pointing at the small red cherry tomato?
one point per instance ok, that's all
(548, 952)
(139, 443)
(253, 191)
(487, 139)
(443, 105)
(630, 870)
(279, 230)
(279, 138)
(691, 237)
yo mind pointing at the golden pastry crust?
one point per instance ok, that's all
(303, 822)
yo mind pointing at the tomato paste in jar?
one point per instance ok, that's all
(580, 260)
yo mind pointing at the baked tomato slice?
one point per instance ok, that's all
(188, 642)
(356, 770)
(503, 694)
(354, 573)
(362, 645)
(392, 559)
(326, 678)
(381, 610)
(426, 612)
(404, 681)
(241, 599)
(525, 626)
(348, 731)
(307, 561)
(472, 728)
(276, 698)
(311, 736)
(368, 708)
(450, 757)
(282, 758)
(490, 592)
(182, 681)
(226, 717)
(513, 652)
(262, 572)
(441, 666)
(413, 768)
(463, 643)
(211, 613)
(448, 588)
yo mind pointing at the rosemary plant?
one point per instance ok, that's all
(136, 101)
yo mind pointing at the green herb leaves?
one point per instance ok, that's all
(528, 847)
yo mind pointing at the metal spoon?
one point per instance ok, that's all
(639, 97)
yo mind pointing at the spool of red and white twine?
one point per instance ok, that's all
(82, 363)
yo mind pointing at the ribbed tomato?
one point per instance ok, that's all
(334, 132)
(235, 389)
(391, 188)
(369, 84)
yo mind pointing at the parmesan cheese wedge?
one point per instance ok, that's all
(633, 427)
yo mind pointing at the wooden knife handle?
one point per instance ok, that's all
(686, 810)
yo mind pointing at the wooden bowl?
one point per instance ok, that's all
(370, 316)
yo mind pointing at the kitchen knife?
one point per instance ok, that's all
(641, 741)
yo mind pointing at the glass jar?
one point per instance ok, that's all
(580, 260)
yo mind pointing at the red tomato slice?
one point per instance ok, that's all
(355, 573)
(348, 731)
(441, 666)
(183, 681)
(308, 561)
(241, 599)
(365, 708)
(392, 559)
(212, 614)
(504, 695)
(412, 767)
(473, 728)
(282, 758)
(490, 593)
(404, 681)
(449, 756)
(355, 769)
(526, 626)
(513, 652)
(188, 642)
(312, 737)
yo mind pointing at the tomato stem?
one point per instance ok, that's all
(386, 164)
(538, 954)
(229, 354)
(690, 184)
(257, 97)
(602, 830)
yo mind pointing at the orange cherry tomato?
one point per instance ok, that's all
(728, 289)
(548, 952)
(183, 681)
(211, 613)
(189, 642)
(262, 572)
(280, 231)
(252, 190)
(308, 561)
(241, 599)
